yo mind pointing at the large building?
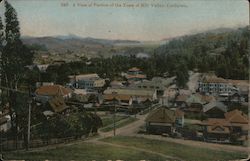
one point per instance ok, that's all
(87, 81)
(157, 83)
(212, 84)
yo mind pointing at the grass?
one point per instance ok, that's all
(119, 124)
(189, 153)
(109, 120)
(85, 152)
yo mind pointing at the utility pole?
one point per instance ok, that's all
(249, 82)
(114, 115)
(29, 117)
(28, 132)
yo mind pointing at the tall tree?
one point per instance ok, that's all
(14, 59)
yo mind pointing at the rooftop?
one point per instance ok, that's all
(53, 90)
(161, 115)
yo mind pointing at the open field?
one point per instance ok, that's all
(173, 149)
(85, 152)
(126, 148)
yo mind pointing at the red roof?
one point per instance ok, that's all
(236, 116)
(53, 90)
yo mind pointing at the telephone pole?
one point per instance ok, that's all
(28, 132)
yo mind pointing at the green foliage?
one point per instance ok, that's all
(74, 125)
(181, 75)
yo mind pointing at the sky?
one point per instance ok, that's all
(175, 18)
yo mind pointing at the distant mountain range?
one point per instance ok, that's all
(74, 43)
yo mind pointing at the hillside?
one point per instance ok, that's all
(223, 51)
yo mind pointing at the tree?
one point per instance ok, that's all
(182, 75)
(14, 58)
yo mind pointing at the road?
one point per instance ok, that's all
(193, 82)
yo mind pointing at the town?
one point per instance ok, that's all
(181, 99)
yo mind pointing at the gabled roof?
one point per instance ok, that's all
(53, 90)
(236, 116)
(161, 115)
(57, 104)
(215, 104)
(218, 129)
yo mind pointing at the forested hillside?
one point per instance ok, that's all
(225, 53)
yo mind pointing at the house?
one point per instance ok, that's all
(163, 120)
(80, 95)
(215, 109)
(232, 128)
(138, 95)
(217, 129)
(196, 101)
(87, 81)
(124, 100)
(58, 105)
(214, 85)
(135, 74)
(180, 101)
(157, 83)
(45, 93)
(239, 123)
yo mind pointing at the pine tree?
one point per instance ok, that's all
(14, 59)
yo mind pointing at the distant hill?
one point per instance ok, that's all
(72, 43)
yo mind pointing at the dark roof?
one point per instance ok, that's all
(161, 115)
(215, 104)
(57, 104)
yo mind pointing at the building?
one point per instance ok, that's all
(45, 93)
(87, 81)
(157, 83)
(217, 129)
(232, 128)
(135, 74)
(215, 109)
(214, 85)
(195, 102)
(138, 95)
(123, 100)
(163, 120)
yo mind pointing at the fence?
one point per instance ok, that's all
(10, 145)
